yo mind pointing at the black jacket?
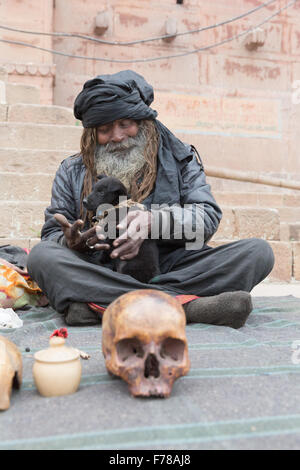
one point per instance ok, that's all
(180, 181)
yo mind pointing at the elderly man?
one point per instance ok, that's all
(123, 138)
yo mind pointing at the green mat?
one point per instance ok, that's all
(241, 391)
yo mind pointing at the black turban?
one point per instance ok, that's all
(104, 99)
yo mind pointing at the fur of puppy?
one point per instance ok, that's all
(145, 265)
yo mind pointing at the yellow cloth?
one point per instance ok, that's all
(17, 290)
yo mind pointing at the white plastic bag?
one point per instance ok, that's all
(9, 319)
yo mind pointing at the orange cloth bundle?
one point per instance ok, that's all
(16, 289)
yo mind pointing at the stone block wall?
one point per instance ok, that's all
(29, 66)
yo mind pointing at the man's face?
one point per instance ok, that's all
(117, 131)
(120, 149)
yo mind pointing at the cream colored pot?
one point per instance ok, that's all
(57, 370)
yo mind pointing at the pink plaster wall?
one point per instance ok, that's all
(24, 64)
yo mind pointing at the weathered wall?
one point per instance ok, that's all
(23, 64)
(233, 104)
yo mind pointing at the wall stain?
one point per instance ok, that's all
(251, 70)
(132, 20)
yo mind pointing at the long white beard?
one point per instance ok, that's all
(122, 160)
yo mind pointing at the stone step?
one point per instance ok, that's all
(47, 161)
(294, 231)
(27, 243)
(19, 188)
(289, 214)
(22, 208)
(243, 154)
(13, 160)
(35, 192)
(247, 222)
(19, 93)
(39, 136)
(288, 205)
(233, 186)
(260, 199)
(41, 114)
(21, 220)
(290, 231)
(3, 112)
(296, 260)
(20, 182)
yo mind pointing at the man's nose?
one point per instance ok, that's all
(117, 134)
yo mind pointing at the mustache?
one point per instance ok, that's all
(126, 145)
(112, 147)
(122, 159)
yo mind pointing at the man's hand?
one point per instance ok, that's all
(137, 225)
(77, 240)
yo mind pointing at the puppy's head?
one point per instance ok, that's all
(107, 190)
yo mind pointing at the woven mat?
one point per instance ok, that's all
(241, 391)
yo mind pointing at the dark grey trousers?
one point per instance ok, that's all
(67, 276)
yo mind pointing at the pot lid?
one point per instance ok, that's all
(57, 352)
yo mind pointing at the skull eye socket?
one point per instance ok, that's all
(172, 348)
(129, 349)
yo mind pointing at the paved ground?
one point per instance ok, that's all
(266, 289)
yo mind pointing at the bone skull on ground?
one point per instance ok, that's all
(144, 341)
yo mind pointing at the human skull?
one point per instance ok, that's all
(144, 341)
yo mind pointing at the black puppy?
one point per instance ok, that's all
(107, 191)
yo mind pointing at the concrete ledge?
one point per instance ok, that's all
(267, 289)
(296, 259)
(3, 112)
(32, 161)
(255, 222)
(39, 136)
(18, 93)
(27, 243)
(22, 188)
(39, 114)
(260, 199)
(21, 219)
(248, 222)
